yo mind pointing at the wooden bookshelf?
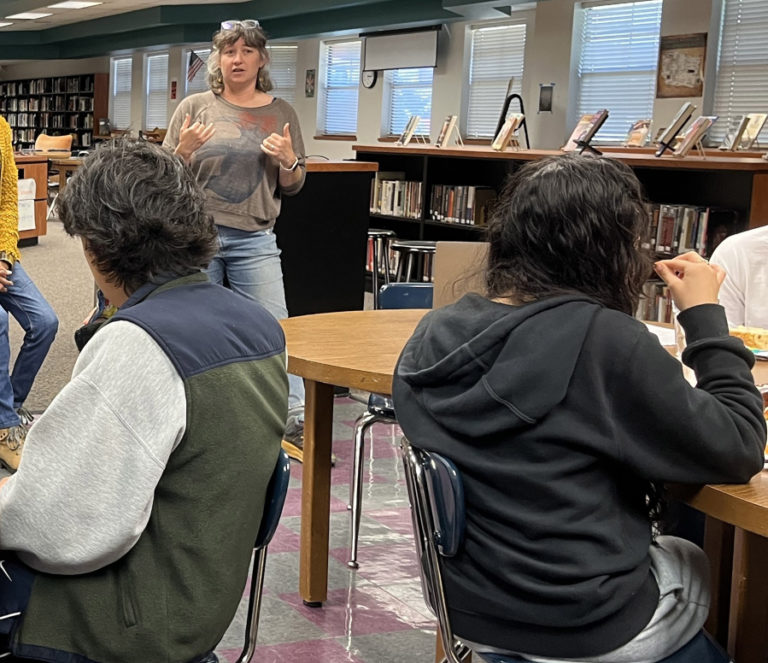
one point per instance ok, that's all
(720, 180)
(56, 105)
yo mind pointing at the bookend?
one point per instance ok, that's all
(584, 145)
(503, 117)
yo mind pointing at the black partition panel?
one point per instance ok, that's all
(322, 233)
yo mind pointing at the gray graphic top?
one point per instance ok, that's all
(240, 181)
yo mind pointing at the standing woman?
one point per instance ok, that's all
(246, 150)
(20, 298)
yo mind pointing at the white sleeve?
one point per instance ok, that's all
(83, 492)
(732, 291)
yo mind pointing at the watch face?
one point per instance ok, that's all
(369, 78)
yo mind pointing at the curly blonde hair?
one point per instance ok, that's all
(251, 36)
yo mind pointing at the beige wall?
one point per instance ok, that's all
(548, 60)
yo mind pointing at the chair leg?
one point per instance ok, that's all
(363, 423)
(375, 273)
(254, 606)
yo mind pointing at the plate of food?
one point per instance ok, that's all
(754, 338)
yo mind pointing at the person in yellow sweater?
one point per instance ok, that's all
(20, 297)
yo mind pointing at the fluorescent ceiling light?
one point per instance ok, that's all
(73, 4)
(30, 15)
(2, 25)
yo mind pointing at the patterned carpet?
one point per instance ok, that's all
(375, 614)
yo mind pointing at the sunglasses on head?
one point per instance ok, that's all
(232, 24)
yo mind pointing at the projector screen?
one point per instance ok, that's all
(400, 50)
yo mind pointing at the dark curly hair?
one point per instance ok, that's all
(570, 224)
(140, 212)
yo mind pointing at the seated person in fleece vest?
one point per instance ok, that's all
(565, 417)
(127, 531)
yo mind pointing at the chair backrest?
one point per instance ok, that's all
(273, 506)
(46, 142)
(406, 295)
(436, 493)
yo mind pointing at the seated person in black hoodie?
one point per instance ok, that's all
(565, 416)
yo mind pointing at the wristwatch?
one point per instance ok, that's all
(291, 168)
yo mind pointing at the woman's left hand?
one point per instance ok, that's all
(280, 147)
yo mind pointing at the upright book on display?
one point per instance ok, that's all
(410, 128)
(449, 124)
(507, 132)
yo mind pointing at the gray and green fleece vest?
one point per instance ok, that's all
(172, 597)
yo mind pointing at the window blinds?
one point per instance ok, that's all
(282, 71)
(199, 82)
(156, 113)
(497, 54)
(617, 64)
(337, 108)
(120, 101)
(408, 92)
(742, 69)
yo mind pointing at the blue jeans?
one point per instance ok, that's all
(250, 261)
(24, 302)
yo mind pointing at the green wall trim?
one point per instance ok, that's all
(165, 25)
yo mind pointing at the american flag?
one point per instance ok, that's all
(195, 63)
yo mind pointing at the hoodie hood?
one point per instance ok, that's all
(480, 367)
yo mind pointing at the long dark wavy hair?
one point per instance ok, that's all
(570, 224)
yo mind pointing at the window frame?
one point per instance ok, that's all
(151, 93)
(294, 63)
(610, 133)
(113, 94)
(349, 132)
(390, 87)
(467, 123)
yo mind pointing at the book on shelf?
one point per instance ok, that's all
(461, 204)
(507, 132)
(585, 130)
(449, 124)
(637, 136)
(410, 127)
(695, 133)
(667, 136)
(752, 130)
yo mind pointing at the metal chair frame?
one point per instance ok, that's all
(380, 408)
(273, 508)
(434, 537)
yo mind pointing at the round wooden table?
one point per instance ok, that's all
(355, 349)
(359, 349)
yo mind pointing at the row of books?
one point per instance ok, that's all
(50, 120)
(678, 228)
(655, 303)
(55, 85)
(26, 137)
(463, 204)
(392, 195)
(74, 103)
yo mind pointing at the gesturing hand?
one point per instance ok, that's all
(280, 147)
(691, 279)
(192, 138)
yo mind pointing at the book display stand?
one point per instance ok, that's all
(503, 117)
(667, 139)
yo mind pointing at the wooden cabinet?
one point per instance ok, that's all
(35, 167)
(57, 105)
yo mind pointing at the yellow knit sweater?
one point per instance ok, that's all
(9, 196)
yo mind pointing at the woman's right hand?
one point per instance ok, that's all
(691, 279)
(192, 138)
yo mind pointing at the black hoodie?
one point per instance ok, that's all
(558, 413)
